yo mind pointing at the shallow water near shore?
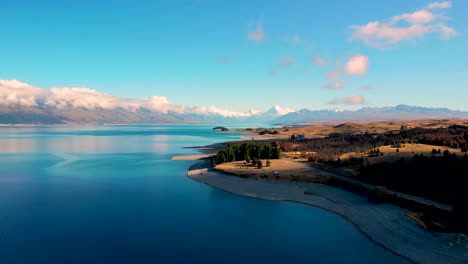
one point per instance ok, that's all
(112, 194)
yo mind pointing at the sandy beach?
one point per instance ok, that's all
(385, 224)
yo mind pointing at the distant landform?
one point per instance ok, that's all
(18, 114)
(21, 103)
(399, 112)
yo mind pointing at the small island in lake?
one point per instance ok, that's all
(220, 128)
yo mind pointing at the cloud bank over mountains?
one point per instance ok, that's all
(19, 93)
(21, 103)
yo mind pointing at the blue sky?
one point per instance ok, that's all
(243, 55)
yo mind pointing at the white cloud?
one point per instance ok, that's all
(317, 60)
(279, 111)
(439, 5)
(162, 105)
(349, 100)
(357, 65)
(335, 74)
(258, 34)
(252, 112)
(334, 86)
(383, 34)
(217, 111)
(446, 32)
(77, 97)
(285, 62)
(418, 17)
(13, 83)
(16, 92)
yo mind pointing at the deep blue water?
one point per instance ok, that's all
(111, 194)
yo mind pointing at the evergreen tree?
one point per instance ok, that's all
(247, 158)
(259, 164)
(251, 151)
(232, 155)
(254, 162)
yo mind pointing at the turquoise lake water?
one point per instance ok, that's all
(111, 194)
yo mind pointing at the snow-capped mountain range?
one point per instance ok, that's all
(27, 104)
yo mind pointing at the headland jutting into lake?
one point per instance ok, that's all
(393, 227)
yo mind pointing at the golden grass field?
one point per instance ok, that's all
(276, 165)
(287, 170)
(311, 130)
(406, 151)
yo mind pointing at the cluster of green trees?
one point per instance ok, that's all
(246, 151)
(434, 151)
(453, 136)
(259, 163)
(375, 153)
(268, 131)
(220, 128)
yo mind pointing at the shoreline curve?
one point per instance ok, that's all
(386, 225)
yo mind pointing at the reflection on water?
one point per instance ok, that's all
(111, 194)
(85, 144)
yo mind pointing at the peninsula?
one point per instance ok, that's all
(420, 227)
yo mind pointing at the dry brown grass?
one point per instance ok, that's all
(323, 129)
(288, 170)
(276, 165)
(406, 151)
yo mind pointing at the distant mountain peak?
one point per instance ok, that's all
(400, 112)
(279, 111)
(406, 109)
(252, 112)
